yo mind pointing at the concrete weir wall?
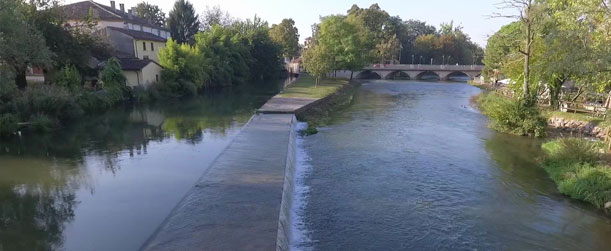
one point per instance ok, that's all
(242, 202)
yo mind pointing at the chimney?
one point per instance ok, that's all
(112, 4)
(122, 6)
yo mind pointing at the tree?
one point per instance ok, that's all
(499, 46)
(265, 61)
(342, 43)
(113, 79)
(317, 61)
(150, 12)
(287, 36)
(215, 16)
(530, 16)
(15, 30)
(183, 22)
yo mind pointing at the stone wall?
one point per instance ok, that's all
(578, 128)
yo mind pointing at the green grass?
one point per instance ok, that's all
(305, 87)
(577, 167)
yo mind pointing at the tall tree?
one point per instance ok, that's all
(183, 22)
(15, 30)
(215, 16)
(287, 36)
(317, 61)
(530, 15)
(150, 12)
(342, 43)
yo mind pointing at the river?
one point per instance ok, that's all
(108, 181)
(412, 166)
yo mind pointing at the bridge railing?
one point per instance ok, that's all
(425, 67)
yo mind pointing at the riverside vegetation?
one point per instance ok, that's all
(222, 51)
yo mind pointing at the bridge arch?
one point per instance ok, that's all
(458, 76)
(428, 75)
(367, 74)
(398, 75)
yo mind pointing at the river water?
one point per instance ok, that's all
(107, 182)
(411, 166)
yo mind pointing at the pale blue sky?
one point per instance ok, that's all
(470, 14)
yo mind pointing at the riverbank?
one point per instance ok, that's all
(579, 167)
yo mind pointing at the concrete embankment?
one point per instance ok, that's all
(243, 200)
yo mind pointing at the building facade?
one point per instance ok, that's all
(135, 41)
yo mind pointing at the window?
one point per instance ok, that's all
(152, 47)
(145, 57)
(157, 77)
(144, 46)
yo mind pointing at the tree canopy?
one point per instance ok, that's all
(287, 36)
(150, 12)
(183, 22)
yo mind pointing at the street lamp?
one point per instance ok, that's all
(412, 58)
(443, 59)
(431, 61)
(420, 61)
(448, 62)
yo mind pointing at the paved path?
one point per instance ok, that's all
(237, 202)
(285, 105)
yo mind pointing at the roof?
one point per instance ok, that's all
(134, 64)
(141, 35)
(80, 10)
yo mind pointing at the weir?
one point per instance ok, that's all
(242, 202)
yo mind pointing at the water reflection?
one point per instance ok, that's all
(106, 181)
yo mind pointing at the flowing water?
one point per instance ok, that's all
(107, 182)
(411, 166)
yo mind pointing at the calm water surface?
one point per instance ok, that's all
(107, 182)
(411, 166)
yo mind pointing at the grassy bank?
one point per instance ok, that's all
(580, 170)
(511, 116)
(335, 93)
(585, 117)
(305, 87)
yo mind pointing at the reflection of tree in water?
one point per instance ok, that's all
(39, 173)
(37, 201)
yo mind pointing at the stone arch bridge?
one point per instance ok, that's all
(417, 72)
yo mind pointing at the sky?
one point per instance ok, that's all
(472, 14)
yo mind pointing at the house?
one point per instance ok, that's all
(140, 72)
(136, 41)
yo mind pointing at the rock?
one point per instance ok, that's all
(608, 205)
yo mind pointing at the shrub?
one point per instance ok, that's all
(573, 164)
(42, 123)
(53, 101)
(68, 77)
(8, 124)
(114, 81)
(512, 116)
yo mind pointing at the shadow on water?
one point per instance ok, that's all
(81, 187)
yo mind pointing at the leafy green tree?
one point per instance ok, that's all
(412, 29)
(182, 62)
(265, 55)
(183, 22)
(287, 36)
(317, 61)
(150, 12)
(342, 42)
(15, 29)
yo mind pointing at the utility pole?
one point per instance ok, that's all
(443, 59)
(431, 61)
(420, 61)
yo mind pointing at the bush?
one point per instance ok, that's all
(8, 124)
(573, 164)
(53, 101)
(42, 123)
(68, 77)
(512, 116)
